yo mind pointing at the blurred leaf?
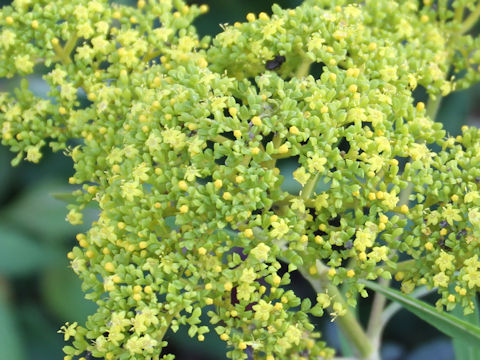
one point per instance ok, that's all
(37, 211)
(464, 350)
(10, 340)
(443, 321)
(19, 254)
(41, 337)
(5, 170)
(61, 290)
(454, 111)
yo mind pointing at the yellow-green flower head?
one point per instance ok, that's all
(183, 145)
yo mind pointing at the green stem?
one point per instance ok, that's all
(309, 187)
(303, 69)
(348, 323)
(471, 20)
(433, 106)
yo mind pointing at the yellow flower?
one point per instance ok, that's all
(450, 214)
(280, 228)
(262, 310)
(445, 261)
(260, 252)
(68, 330)
(440, 280)
(301, 175)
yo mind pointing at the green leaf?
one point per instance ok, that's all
(38, 212)
(11, 347)
(61, 290)
(443, 321)
(464, 350)
(19, 254)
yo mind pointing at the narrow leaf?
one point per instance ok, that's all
(443, 321)
(464, 350)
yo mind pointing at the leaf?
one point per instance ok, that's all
(11, 347)
(37, 211)
(443, 321)
(19, 254)
(464, 350)
(61, 290)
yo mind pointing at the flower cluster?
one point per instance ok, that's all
(179, 140)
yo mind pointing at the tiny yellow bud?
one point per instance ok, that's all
(250, 17)
(148, 289)
(372, 46)
(208, 286)
(143, 245)
(313, 270)
(137, 288)
(218, 183)
(34, 24)
(227, 196)
(332, 77)
(424, 18)
(70, 255)
(137, 297)
(322, 227)
(273, 218)
(255, 150)
(363, 256)
(228, 286)
(237, 134)
(209, 301)
(372, 196)
(121, 225)
(399, 276)
(304, 239)
(182, 185)
(294, 130)
(404, 209)
(256, 121)
(109, 267)
(9, 20)
(83, 243)
(454, 198)
(278, 306)
(443, 232)
(420, 106)
(332, 272)
(183, 209)
(157, 205)
(233, 313)
(233, 111)
(269, 357)
(201, 338)
(428, 246)
(318, 239)
(451, 298)
(224, 337)
(283, 149)
(202, 251)
(263, 16)
(203, 8)
(350, 273)
(248, 233)
(324, 109)
(242, 345)
(239, 179)
(229, 218)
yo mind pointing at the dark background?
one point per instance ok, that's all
(39, 292)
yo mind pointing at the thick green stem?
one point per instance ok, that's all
(303, 69)
(471, 20)
(348, 323)
(433, 106)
